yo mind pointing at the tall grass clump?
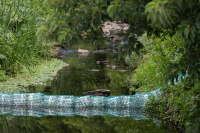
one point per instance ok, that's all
(19, 45)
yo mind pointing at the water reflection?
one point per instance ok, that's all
(39, 111)
(76, 124)
(84, 74)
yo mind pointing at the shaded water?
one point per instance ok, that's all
(83, 74)
(77, 124)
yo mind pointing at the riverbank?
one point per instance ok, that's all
(152, 70)
(32, 76)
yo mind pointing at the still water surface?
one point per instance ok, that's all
(83, 74)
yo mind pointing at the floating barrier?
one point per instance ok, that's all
(40, 99)
(39, 104)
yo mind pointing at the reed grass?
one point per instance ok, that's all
(19, 44)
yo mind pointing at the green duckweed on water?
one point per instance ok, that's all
(32, 76)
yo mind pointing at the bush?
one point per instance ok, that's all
(152, 69)
(178, 105)
(132, 60)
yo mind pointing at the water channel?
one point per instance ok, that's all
(84, 74)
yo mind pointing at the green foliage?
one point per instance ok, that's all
(133, 60)
(150, 72)
(39, 76)
(3, 77)
(72, 20)
(19, 45)
(159, 13)
(83, 19)
(183, 17)
(194, 126)
(178, 105)
(148, 76)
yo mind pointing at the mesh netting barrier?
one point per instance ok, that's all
(40, 99)
(39, 104)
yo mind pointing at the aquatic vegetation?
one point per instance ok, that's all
(34, 76)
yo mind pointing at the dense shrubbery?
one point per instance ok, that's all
(151, 68)
(133, 60)
(178, 103)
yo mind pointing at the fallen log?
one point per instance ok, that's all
(99, 92)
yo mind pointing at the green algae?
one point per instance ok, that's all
(33, 76)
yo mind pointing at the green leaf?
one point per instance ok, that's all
(94, 10)
(111, 10)
(2, 57)
(97, 1)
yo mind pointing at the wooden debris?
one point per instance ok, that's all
(99, 92)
